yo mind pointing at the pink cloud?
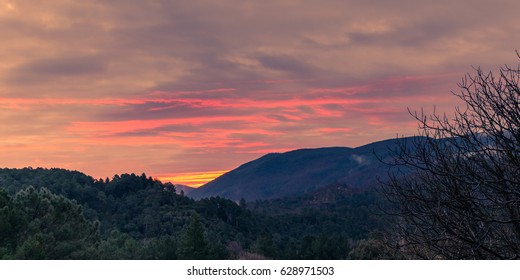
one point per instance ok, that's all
(223, 122)
(176, 87)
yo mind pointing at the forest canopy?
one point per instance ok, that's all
(61, 214)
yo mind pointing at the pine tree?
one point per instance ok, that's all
(193, 244)
(56, 227)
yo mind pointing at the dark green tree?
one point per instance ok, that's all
(120, 246)
(54, 227)
(162, 248)
(193, 244)
(11, 223)
(265, 246)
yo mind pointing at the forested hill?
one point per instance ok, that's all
(62, 214)
(300, 171)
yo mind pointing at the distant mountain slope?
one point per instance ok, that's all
(301, 171)
(185, 189)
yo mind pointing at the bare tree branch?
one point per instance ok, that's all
(460, 195)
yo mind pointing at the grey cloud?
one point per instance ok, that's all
(45, 70)
(186, 128)
(334, 107)
(251, 137)
(409, 35)
(181, 128)
(174, 110)
(287, 64)
(177, 45)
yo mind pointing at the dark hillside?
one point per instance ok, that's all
(302, 171)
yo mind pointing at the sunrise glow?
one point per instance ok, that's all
(178, 90)
(192, 179)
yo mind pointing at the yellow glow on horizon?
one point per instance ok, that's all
(192, 179)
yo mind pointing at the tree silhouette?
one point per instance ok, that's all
(457, 192)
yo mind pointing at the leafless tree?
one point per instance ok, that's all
(457, 192)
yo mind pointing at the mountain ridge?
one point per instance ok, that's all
(296, 172)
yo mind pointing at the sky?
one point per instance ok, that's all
(186, 90)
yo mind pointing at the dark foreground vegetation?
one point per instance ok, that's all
(462, 200)
(61, 214)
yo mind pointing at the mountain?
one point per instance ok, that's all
(185, 189)
(301, 171)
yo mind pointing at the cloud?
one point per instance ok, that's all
(286, 64)
(165, 86)
(57, 68)
(173, 45)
